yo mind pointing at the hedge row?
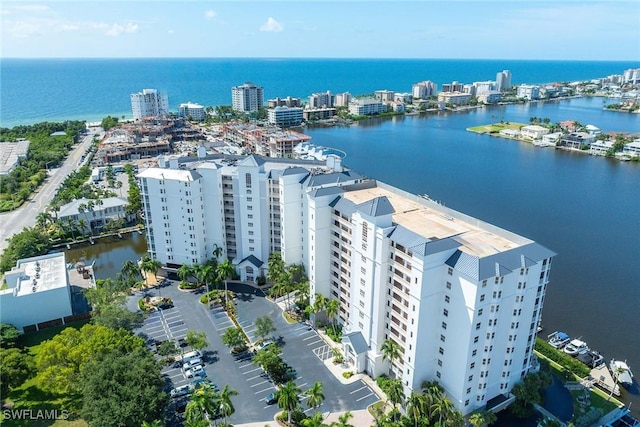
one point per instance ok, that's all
(562, 358)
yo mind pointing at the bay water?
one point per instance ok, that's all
(587, 209)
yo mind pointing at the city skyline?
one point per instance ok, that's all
(568, 30)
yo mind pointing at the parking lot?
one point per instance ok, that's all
(302, 348)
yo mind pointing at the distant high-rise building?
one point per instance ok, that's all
(322, 99)
(503, 80)
(454, 86)
(149, 103)
(424, 90)
(343, 99)
(247, 97)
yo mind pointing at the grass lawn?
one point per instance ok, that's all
(29, 396)
(496, 127)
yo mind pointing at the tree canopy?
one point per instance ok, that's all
(122, 389)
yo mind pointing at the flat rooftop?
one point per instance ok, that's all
(41, 274)
(435, 222)
(10, 153)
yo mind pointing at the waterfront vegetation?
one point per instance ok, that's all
(563, 359)
(45, 151)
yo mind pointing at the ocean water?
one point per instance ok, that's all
(33, 90)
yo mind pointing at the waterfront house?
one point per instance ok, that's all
(601, 147)
(577, 140)
(92, 215)
(632, 149)
(533, 132)
(551, 138)
(509, 133)
(489, 96)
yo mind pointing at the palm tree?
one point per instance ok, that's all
(395, 393)
(43, 219)
(390, 350)
(332, 307)
(224, 401)
(316, 395)
(82, 225)
(316, 420)
(208, 274)
(224, 271)
(130, 270)
(154, 423)
(275, 266)
(288, 398)
(416, 407)
(343, 420)
(184, 272)
(203, 404)
(150, 265)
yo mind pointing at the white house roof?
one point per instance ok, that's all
(72, 208)
(40, 274)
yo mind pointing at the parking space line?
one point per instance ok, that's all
(315, 342)
(179, 331)
(357, 390)
(309, 338)
(302, 385)
(262, 391)
(306, 332)
(246, 366)
(253, 378)
(253, 370)
(262, 382)
(364, 397)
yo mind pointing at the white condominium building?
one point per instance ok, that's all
(320, 100)
(149, 103)
(285, 116)
(503, 80)
(247, 97)
(367, 107)
(194, 111)
(343, 99)
(462, 298)
(528, 92)
(425, 89)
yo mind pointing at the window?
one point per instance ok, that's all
(482, 297)
(446, 298)
(247, 178)
(475, 339)
(480, 312)
(445, 312)
(442, 338)
(450, 271)
(444, 325)
(441, 350)
(448, 285)
(473, 365)
(478, 325)
(439, 362)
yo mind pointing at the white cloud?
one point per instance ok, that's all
(210, 14)
(272, 26)
(115, 30)
(34, 8)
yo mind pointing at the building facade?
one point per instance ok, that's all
(528, 92)
(503, 80)
(343, 99)
(285, 116)
(367, 107)
(321, 100)
(461, 298)
(37, 292)
(247, 97)
(149, 103)
(195, 111)
(424, 90)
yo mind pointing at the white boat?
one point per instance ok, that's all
(558, 339)
(621, 372)
(576, 347)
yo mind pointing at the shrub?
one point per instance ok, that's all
(141, 305)
(189, 285)
(334, 332)
(347, 374)
(561, 358)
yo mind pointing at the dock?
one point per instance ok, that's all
(601, 377)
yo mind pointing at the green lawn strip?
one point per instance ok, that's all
(33, 340)
(495, 127)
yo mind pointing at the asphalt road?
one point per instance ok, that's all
(25, 216)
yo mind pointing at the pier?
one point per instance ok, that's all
(601, 377)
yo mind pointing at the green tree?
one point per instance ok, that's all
(288, 398)
(131, 270)
(264, 326)
(343, 420)
(225, 405)
(61, 359)
(8, 335)
(315, 395)
(15, 368)
(333, 308)
(202, 405)
(109, 122)
(196, 340)
(184, 272)
(168, 348)
(116, 316)
(29, 242)
(390, 351)
(154, 423)
(122, 388)
(149, 265)
(224, 271)
(395, 392)
(416, 407)
(316, 420)
(234, 339)
(275, 267)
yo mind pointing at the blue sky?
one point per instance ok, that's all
(541, 29)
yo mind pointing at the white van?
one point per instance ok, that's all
(191, 363)
(191, 355)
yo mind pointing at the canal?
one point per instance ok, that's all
(109, 253)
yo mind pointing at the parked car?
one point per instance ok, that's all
(264, 344)
(181, 391)
(271, 398)
(191, 363)
(196, 371)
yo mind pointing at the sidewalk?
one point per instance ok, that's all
(361, 418)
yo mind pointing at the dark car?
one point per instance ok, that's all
(271, 398)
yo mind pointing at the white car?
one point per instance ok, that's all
(264, 344)
(191, 363)
(181, 391)
(196, 371)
